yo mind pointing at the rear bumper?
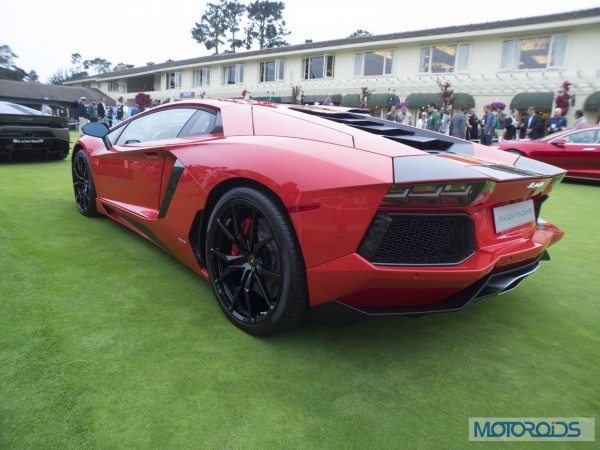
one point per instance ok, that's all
(493, 284)
(371, 289)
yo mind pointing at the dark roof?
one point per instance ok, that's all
(35, 93)
(571, 15)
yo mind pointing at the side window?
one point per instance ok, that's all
(203, 122)
(582, 137)
(114, 134)
(165, 124)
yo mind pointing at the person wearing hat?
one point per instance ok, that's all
(82, 114)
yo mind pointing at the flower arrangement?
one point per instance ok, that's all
(498, 105)
(296, 95)
(446, 92)
(365, 94)
(143, 100)
(563, 98)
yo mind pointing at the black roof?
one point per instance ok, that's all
(37, 93)
(558, 17)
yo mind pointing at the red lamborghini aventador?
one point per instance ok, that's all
(289, 210)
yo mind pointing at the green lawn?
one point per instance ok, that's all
(108, 342)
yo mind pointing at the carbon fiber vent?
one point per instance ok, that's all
(418, 239)
(404, 134)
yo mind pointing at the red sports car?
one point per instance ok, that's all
(577, 151)
(293, 210)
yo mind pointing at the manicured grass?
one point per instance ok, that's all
(106, 341)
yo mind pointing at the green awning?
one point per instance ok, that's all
(592, 103)
(350, 100)
(422, 99)
(267, 99)
(541, 101)
(353, 100)
(382, 100)
(463, 99)
(336, 98)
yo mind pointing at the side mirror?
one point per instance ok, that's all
(96, 129)
(99, 130)
(560, 142)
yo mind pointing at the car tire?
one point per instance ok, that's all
(254, 262)
(516, 152)
(83, 184)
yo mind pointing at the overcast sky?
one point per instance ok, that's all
(44, 33)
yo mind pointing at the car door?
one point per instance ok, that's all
(130, 172)
(577, 151)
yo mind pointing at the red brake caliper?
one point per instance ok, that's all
(245, 231)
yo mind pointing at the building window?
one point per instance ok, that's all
(445, 58)
(202, 77)
(233, 74)
(373, 63)
(534, 53)
(113, 86)
(173, 80)
(271, 70)
(318, 67)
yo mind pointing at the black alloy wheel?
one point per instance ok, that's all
(254, 263)
(83, 185)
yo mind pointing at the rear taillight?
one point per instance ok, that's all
(451, 193)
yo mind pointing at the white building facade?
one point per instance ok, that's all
(521, 62)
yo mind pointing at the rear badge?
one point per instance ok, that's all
(537, 185)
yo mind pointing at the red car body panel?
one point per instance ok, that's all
(580, 159)
(332, 178)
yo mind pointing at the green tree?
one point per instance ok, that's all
(32, 77)
(233, 12)
(212, 27)
(8, 69)
(77, 69)
(59, 77)
(98, 65)
(360, 33)
(265, 24)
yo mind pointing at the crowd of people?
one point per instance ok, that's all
(493, 125)
(92, 111)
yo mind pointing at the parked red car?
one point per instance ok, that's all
(577, 151)
(293, 210)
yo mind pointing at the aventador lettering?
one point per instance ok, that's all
(515, 215)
